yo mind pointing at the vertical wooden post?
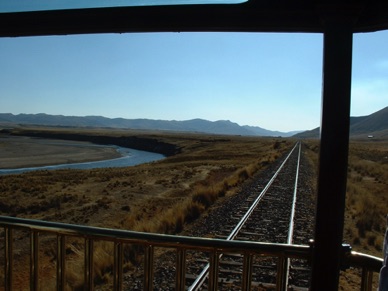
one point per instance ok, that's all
(333, 155)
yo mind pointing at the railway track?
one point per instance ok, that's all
(273, 210)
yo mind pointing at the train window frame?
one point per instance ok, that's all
(7, 6)
(337, 21)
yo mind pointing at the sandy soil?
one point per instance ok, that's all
(21, 152)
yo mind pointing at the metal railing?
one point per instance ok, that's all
(149, 242)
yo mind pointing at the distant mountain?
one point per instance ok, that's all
(375, 124)
(313, 133)
(193, 125)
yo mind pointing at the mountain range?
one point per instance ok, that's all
(374, 125)
(193, 125)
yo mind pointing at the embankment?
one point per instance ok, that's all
(139, 143)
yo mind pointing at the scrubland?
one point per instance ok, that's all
(167, 195)
(367, 195)
(159, 197)
(366, 200)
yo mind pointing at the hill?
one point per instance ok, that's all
(373, 125)
(193, 125)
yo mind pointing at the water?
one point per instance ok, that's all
(130, 157)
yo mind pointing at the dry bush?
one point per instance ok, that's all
(368, 217)
(172, 222)
(103, 262)
(206, 196)
(366, 204)
(366, 199)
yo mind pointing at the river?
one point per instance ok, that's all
(130, 157)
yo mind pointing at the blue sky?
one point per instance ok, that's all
(267, 80)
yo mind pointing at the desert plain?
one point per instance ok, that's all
(163, 196)
(109, 197)
(158, 196)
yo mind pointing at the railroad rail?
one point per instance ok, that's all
(257, 262)
(282, 280)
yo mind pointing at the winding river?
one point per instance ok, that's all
(130, 157)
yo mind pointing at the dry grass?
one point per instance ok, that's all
(366, 200)
(158, 197)
(165, 196)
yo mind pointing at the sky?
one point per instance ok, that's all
(260, 79)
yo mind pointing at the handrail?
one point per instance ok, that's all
(362, 260)
(165, 240)
(149, 241)
(369, 264)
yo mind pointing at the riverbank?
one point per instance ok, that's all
(148, 141)
(26, 152)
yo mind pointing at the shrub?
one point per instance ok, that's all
(243, 175)
(356, 240)
(371, 240)
(126, 208)
(276, 145)
(368, 216)
(208, 195)
(193, 211)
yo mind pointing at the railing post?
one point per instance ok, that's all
(60, 262)
(247, 272)
(88, 275)
(148, 267)
(118, 266)
(282, 273)
(8, 257)
(366, 280)
(333, 156)
(213, 271)
(34, 260)
(180, 269)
